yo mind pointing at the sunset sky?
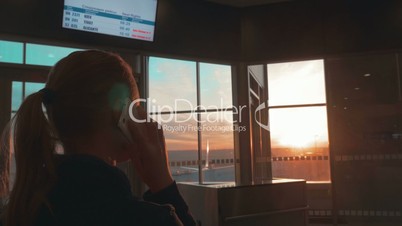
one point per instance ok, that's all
(293, 83)
(297, 83)
(170, 80)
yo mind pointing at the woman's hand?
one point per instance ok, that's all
(148, 151)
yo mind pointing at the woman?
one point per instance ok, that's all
(83, 99)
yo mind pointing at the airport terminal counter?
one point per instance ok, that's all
(279, 202)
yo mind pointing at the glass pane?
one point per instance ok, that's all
(299, 143)
(46, 55)
(33, 87)
(180, 132)
(365, 109)
(11, 52)
(215, 86)
(296, 83)
(217, 147)
(172, 85)
(17, 96)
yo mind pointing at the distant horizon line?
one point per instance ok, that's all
(202, 149)
(234, 150)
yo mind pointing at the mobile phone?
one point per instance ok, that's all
(124, 120)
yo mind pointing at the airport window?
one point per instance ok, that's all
(193, 102)
(215, 82)
(35, 54)
(11, 52)
(45, 55)
(17, 96)
(298, 120)
(217, 135)
(172, 84)
(20, 90)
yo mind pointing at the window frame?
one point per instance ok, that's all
(306, 105)
(198, 111)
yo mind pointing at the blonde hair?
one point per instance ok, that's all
(76, 97)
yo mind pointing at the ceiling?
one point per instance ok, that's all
(246, 3)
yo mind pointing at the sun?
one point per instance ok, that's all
(299, 127)
(296, 141)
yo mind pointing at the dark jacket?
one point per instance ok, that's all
(92, 193)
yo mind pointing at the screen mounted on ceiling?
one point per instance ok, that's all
(125, 18)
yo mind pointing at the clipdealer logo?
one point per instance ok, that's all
(260, 107)
(197, 118)
(217, 118)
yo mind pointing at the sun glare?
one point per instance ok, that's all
(297, 83)
(299, 127)
(294, 140)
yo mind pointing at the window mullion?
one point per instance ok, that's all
(24, 53)
(298, 105)
(200, 175)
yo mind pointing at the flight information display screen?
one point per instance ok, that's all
(125, 18)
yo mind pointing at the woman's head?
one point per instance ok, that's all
(83, 98)
(87, 86)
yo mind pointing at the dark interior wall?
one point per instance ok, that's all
(185, 28)
(365, 125)
(316, 28)
(196, 28)
(281, 30)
